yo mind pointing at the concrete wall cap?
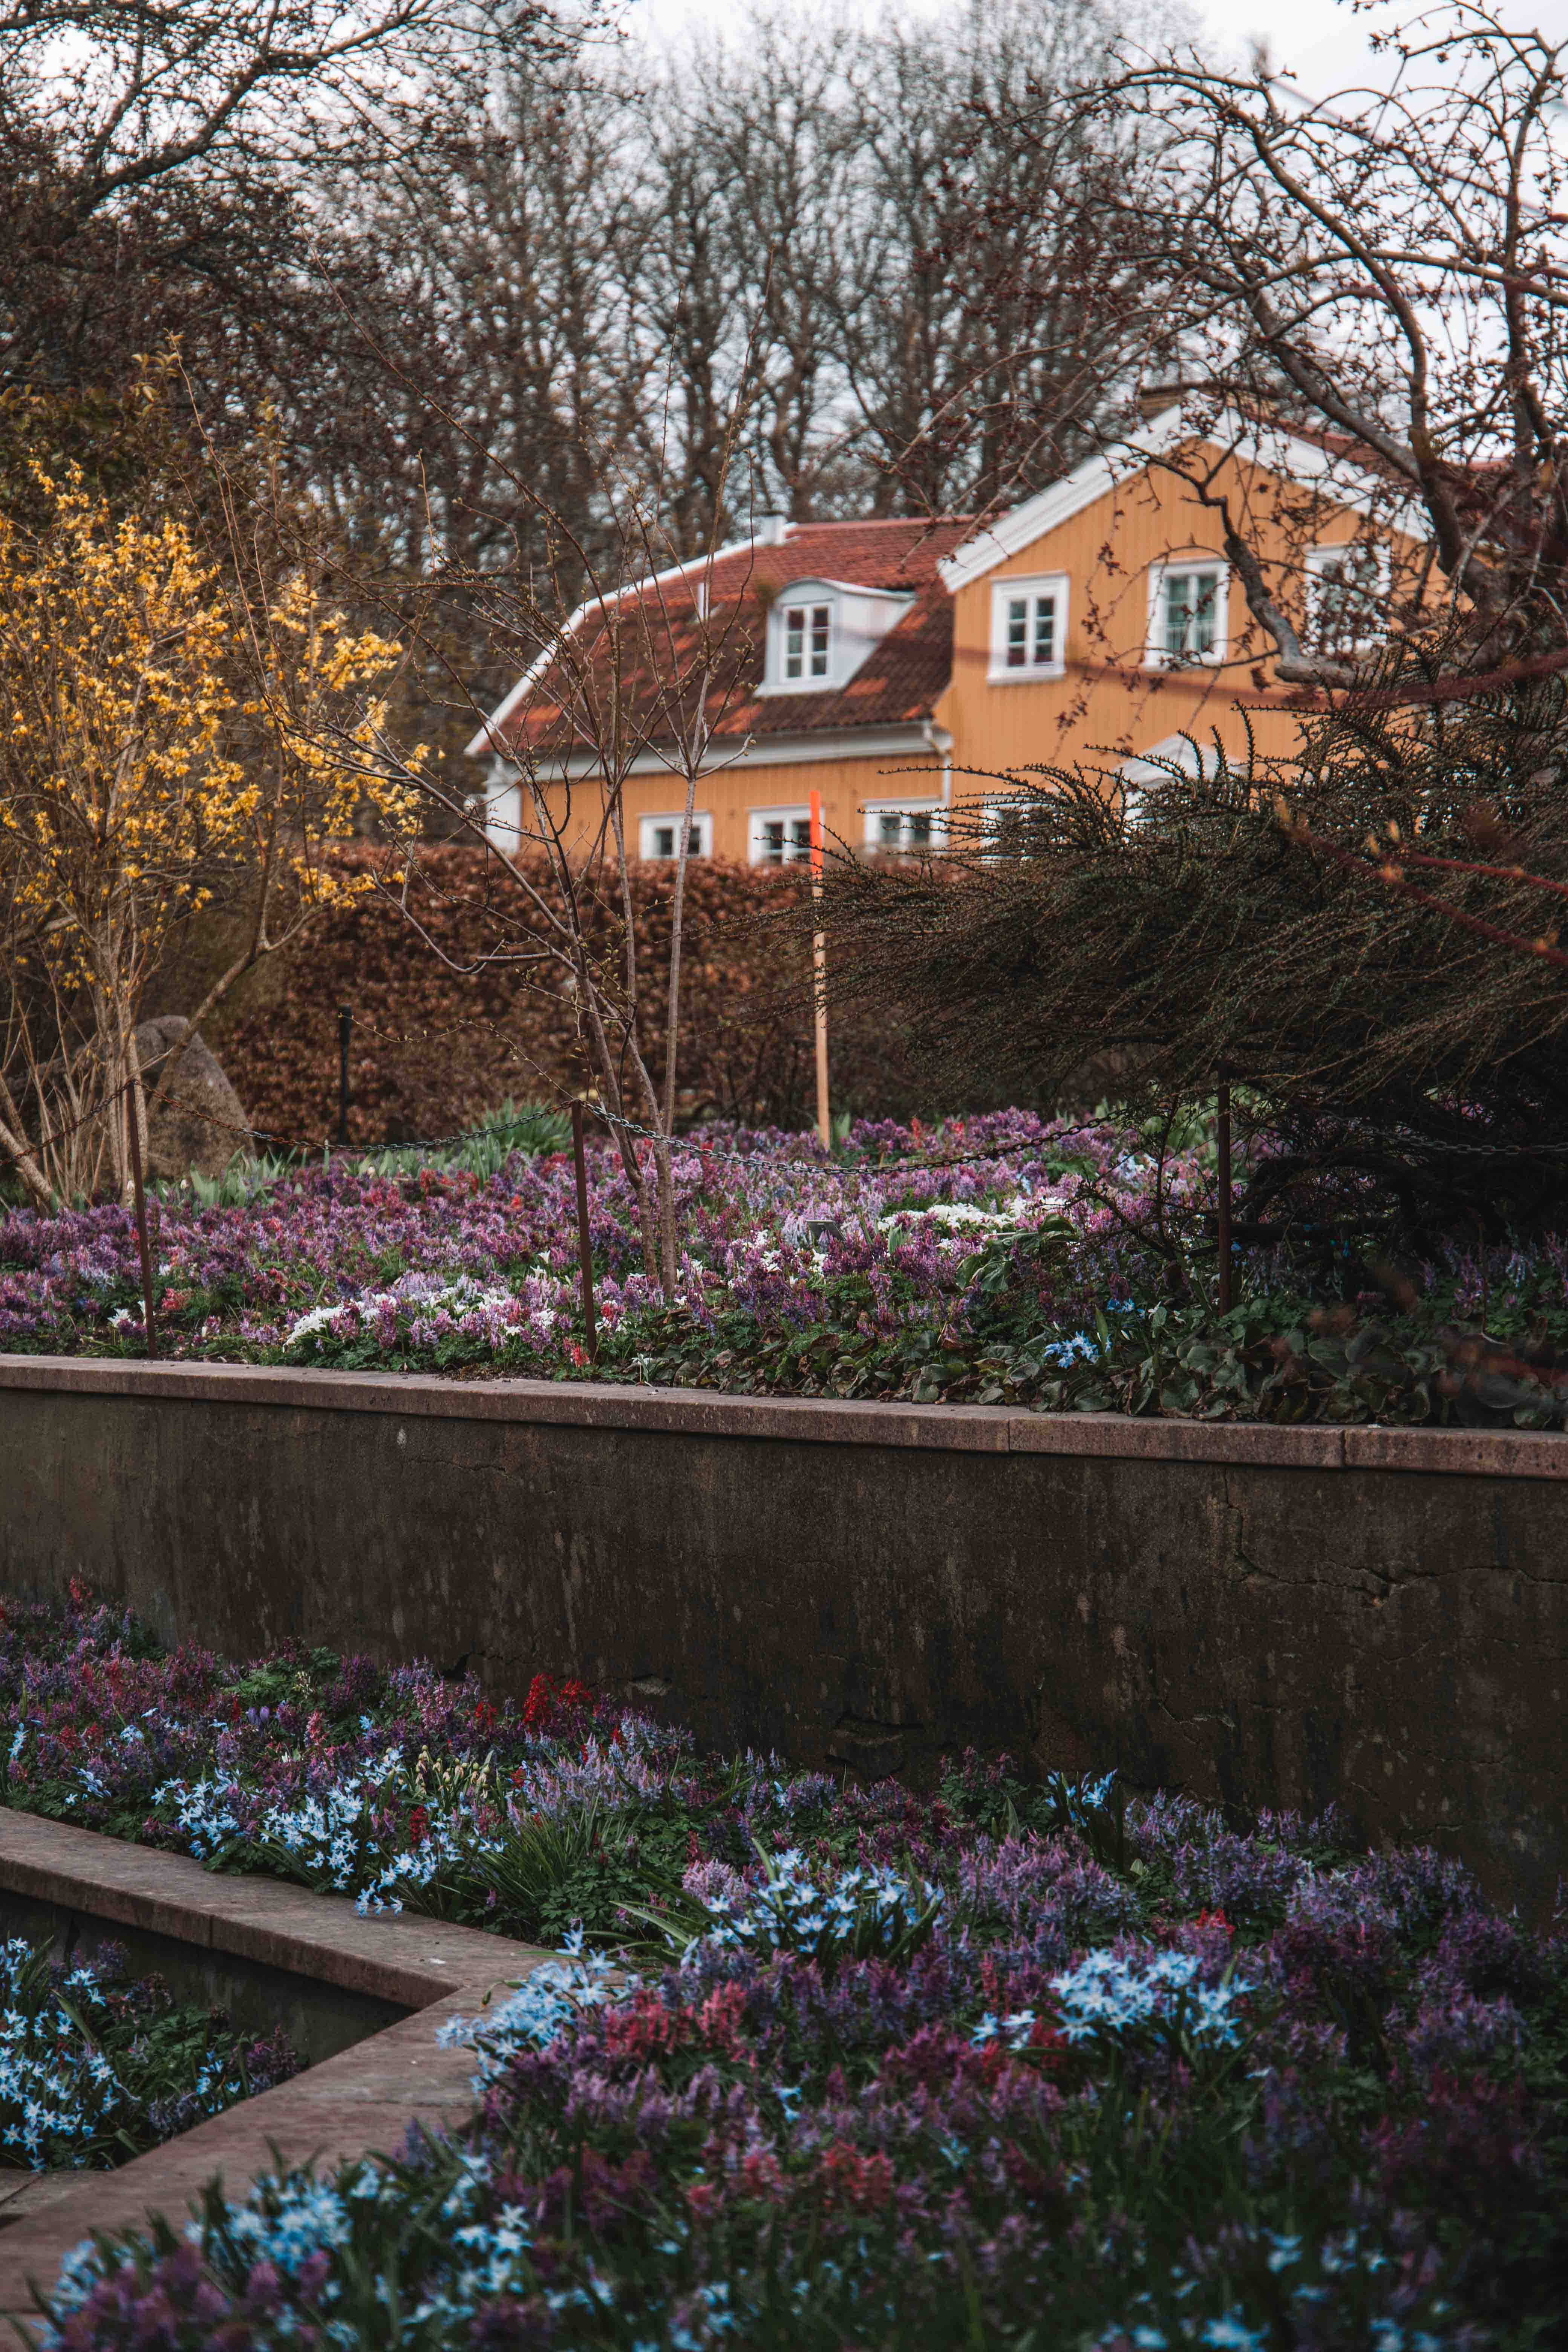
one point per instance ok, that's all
(405, 1960)
(705, 1413)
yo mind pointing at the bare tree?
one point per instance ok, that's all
(775, 111)
(478, 336)
(640, 674)
(171, 119)
(1001, 314)
(1383, 272)
(691, 289)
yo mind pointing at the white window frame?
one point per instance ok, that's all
(1319, 560)
(818, 642)
(1032, 589)
(1155, 655)
(795, 851)
(924, 805)
(647, 834)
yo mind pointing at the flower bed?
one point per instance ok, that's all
(1001, 2065)
(97, 2065)
(1000, 1260)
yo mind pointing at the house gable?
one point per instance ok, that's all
(1283, 454)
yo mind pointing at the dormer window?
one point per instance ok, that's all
(808, 641)
(820, 632)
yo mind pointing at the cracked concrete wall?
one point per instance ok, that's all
(1255, 1633)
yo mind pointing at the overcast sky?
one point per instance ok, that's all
(1325, 42)
(1319, 40)
(1322, 42)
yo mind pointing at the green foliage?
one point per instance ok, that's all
(293, 1677)
(244, 1180)
(530, 1128)
(533, 1129)
(1277, 1358)
(552, 1870)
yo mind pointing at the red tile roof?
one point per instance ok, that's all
(897, 684)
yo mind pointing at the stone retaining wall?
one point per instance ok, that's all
(1266, 1617)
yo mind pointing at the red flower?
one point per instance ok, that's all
(484, 1716)
(1048, 2042)
(761, 2176)
(543, 1699)
(419, 1825)
(863, 2181)
(718, 2018)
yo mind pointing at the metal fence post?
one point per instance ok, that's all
(140, 1190)
(584, 1248)
(1223, 1139)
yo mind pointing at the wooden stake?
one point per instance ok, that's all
(1223, 1124)
(584, 1249)
(135, 1140)
(819, 971)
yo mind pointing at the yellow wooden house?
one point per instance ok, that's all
(895, 667)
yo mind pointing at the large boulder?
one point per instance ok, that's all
(201, 1123)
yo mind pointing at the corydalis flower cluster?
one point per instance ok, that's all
(342, 1265)
(879, 2062)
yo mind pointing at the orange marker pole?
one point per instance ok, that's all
(819, 966)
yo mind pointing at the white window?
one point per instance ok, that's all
(659, 836)
(1187, 612)
(808, 643)
(903, 828)
(1347, 596)
(778, 837)
(1028, 628)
